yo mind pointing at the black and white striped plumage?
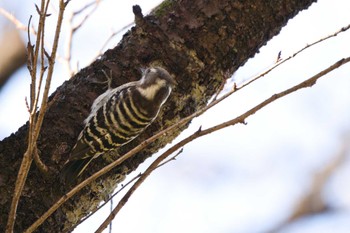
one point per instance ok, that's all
(118, 116)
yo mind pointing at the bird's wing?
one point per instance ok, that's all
(81, 155)
(104, 97)
(81, 151)
(73, 168)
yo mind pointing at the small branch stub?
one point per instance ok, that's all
(136, 9)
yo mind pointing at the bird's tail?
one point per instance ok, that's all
(72, 169)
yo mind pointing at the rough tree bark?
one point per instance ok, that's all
(200, 42)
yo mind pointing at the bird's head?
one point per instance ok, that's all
(156, 81)
(156, 75)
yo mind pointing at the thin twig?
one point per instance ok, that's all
(16, 22)
(42, 67)
(51, 67)
(72, 29)
(123, 187)
(77, 26)
(34, 122)
(156, 164)
(279, 56)
(21, 177)
(27, 104)
(171, 159)
(111, 209)
(280, 61)
(95, 2)
(343, 29)
(200, 133)
(42, 167)
(222, 85)
(68, 48)
(113, 34)
(38, 162)
(27, 157)
(30, 57)
(312, 201)
(29, 29)
(101, 206)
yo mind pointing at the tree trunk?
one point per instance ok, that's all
(200, 42)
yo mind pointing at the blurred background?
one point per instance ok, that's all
(287, 170)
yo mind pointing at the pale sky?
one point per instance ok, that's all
(246, 178)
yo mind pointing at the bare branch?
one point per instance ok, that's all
(50, 68)
(22, 174)
(95, 3)
(106, 202)
(113, 34)
(27, 158)
(171, 159)
(343, 29)
(34, 122)
(39, 163)
(68, 48)
(72, 29)
(280, 61)
(16, 22)
(155, 165)
(92, 3)
(312, 202)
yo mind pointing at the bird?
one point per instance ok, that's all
(118, 116)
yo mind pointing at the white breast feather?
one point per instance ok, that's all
(150, 91)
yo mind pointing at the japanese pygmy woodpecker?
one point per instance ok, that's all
(117, 117)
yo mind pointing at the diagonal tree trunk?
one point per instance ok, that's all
(200, 42)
